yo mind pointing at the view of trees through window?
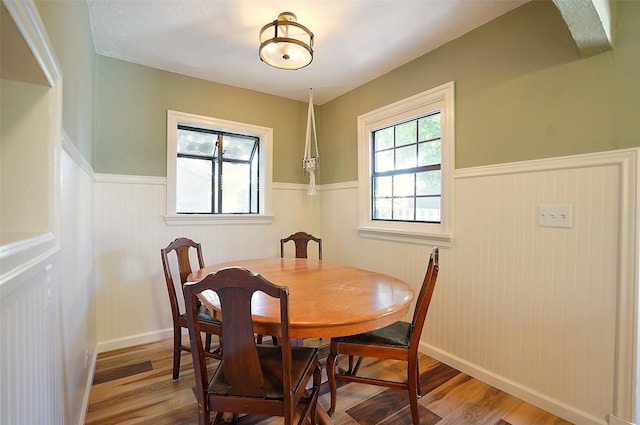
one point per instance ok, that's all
(216, 172)
(406, 178)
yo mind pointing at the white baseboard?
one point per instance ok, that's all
(87, 391)
(132, 340)
(529, 395)
(614, 420)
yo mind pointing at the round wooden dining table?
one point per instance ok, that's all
(326, 299)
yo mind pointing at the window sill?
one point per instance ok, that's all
(397, 235)
(199, 219)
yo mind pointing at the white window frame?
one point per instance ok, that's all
(266, 169)
(440, 99)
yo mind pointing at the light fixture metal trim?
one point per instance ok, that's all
(285, 43)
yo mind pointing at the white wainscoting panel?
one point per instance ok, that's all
(47, 323)
(76, 287)
(532, 304)
(31, 388)
(531, 310)
(132, 305)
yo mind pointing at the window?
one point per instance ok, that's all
(406, 166)
(407, 171)
(217, 171)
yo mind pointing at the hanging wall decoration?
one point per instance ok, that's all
(310, 163)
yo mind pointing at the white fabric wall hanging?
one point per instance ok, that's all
(310, 163)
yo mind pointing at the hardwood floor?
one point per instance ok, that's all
(134, 386)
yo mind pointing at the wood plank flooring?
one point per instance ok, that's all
(134, 386)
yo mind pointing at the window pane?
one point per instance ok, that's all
(413, 146)
(428, 209)
(235, 187)
(382, 209)
(382, 186)
(383, 139)
(429, 153)
(193, 184)
(429, 127)
(254, 185)
(404, 185)
(406, 157)
(239, 148)
(406, 133)
(403, 209)
(384, 161)
(428, 183)
(196, 143)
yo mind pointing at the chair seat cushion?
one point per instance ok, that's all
(397, 334)
(271, 365)
(204, 315)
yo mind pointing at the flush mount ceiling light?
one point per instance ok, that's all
(286, 44)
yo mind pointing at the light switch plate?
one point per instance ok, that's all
(555, 215)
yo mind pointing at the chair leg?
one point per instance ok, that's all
(331, 377)
(204, 417)
(355, 369)
(207, 343)
(317, 382)
(413, 380)
(217, 418)
(176, 352)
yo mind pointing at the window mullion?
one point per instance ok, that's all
(415, 175)
(219, 172)
(393, 178)
(214, 174)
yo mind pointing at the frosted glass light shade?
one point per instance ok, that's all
(286, 44)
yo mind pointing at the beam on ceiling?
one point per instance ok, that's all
(589, 22)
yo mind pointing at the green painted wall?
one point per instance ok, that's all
(131, 117)
(626, 74)
(522, 92)
(69, 30)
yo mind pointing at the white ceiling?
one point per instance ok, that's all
(217, 40)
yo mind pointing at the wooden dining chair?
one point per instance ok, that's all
(301, 240)
(251, 378)
(398, 341)
(211, 326)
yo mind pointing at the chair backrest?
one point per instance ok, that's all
(301, 240)
(235, 287)
(424, 298)
(181, 247)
